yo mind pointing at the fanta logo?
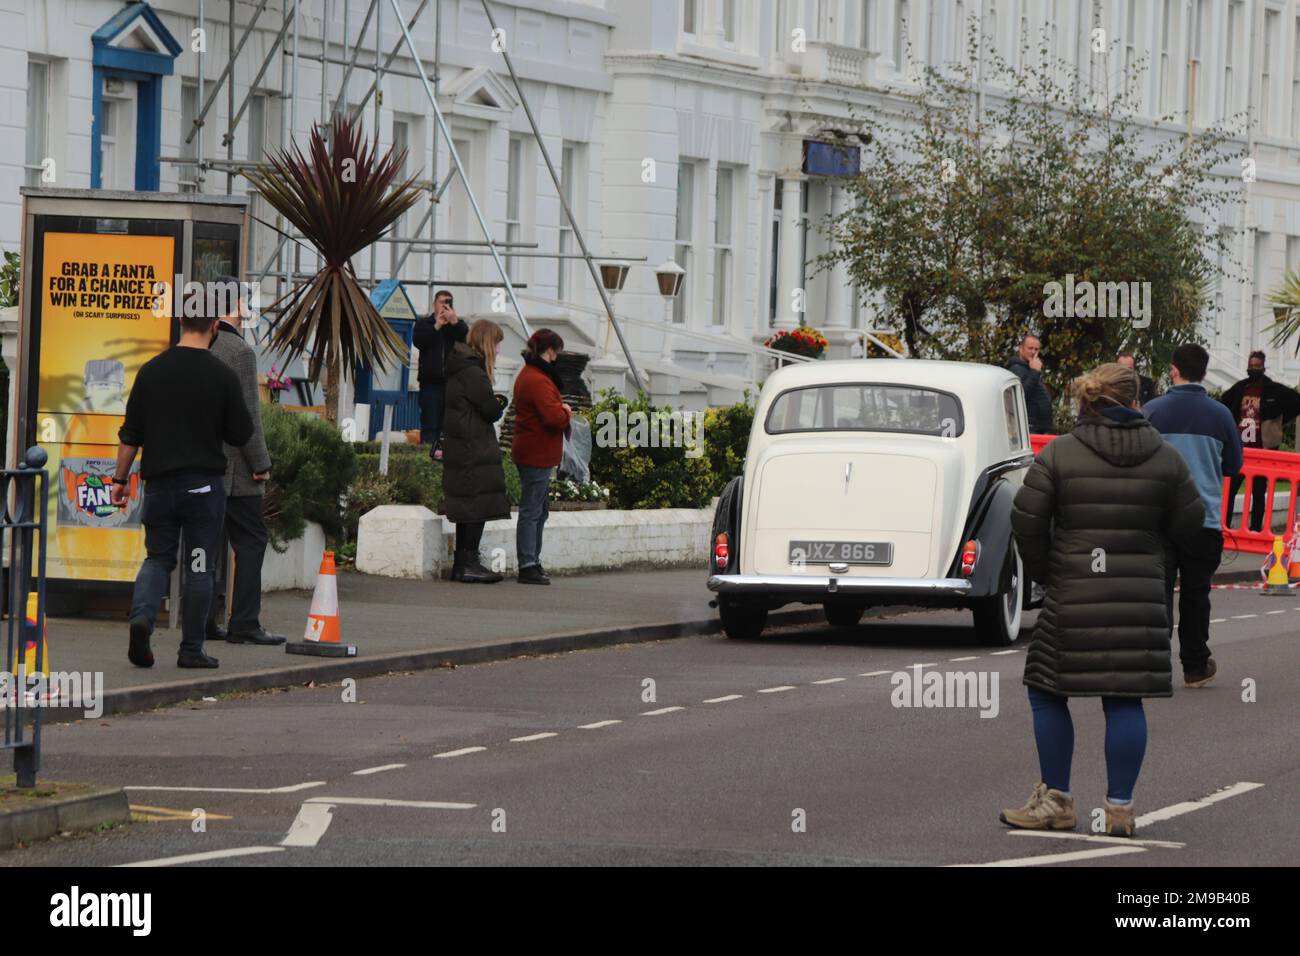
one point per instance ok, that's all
(93, 496)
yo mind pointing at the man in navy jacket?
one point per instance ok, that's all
(1204, 433)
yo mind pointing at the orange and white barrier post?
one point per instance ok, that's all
(323, 637)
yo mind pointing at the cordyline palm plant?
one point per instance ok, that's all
(1287, 296)
(341, 198)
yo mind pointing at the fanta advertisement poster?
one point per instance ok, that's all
(104, 312)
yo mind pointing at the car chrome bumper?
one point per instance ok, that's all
(810, 583)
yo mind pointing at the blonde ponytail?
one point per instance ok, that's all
(1109, 384)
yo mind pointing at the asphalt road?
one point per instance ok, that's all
(576, 759)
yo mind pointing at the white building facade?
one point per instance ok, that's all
(677, 129)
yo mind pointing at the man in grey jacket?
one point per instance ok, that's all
(247, 470)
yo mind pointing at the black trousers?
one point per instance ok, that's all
(245, 531)
(1258, 491)
(468, 536)
(1193, 562)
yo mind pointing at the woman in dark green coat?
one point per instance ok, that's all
(473, 481)
(1091, 523)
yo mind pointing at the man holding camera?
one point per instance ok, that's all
(434, 336)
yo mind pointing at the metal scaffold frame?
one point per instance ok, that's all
(285, 269)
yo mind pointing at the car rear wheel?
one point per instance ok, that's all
(742, 623)
(997, 618)
(839, 614)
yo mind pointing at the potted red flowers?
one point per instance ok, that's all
(804, 341)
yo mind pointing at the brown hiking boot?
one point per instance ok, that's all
(1046, 810)
(1203, 676)
(1119, 820)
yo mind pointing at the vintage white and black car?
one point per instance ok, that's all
(873, 482)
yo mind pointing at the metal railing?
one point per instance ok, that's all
(25, 521)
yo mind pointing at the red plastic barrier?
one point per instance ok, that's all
(1273, 466)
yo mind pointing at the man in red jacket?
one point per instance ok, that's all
(541, 421)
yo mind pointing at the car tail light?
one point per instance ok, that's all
(969, 555)
(721, 551)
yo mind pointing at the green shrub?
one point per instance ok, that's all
(311, 468)
(667, 477)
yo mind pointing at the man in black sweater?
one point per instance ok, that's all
(184, 404)
(434, 336)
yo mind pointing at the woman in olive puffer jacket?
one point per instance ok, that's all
(1091, 523)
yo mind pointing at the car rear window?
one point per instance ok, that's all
(866, 407)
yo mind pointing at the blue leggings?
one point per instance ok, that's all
(1126, 741)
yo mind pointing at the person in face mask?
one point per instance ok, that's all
(1262, 408)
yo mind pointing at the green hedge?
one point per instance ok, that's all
(640, 477)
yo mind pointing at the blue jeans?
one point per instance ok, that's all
(174, 505)
(431, 403)
(1126, 741)
(534, 506)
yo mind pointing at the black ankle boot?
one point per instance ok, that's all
(458, 566)
(473, 572)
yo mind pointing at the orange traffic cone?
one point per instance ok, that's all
(1293, 568)
(322, 638)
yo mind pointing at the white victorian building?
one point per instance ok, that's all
(680, 130)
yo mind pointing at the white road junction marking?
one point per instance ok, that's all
(209, 855)
(309, 825)
(1178, 809)
(1063, 857)
(291, 789)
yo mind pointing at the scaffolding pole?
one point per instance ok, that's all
(210, 98)
(455, 159)
(564, 200)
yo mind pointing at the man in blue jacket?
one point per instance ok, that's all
(1205, 434)
(1028, 367)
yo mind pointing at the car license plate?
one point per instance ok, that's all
(841, 552)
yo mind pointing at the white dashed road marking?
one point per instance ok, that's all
(723, 700)
(1243, 617)
(1014, 650)
(1224, 620)
(776, 690)
(829, 680)
(461, 752)
(598, 724)
(370, 770)
(661, 710)
(873, 673)
(973, 657)
(530, 737)
(1276, 612)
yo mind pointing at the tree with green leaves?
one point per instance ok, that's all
(967, 211)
